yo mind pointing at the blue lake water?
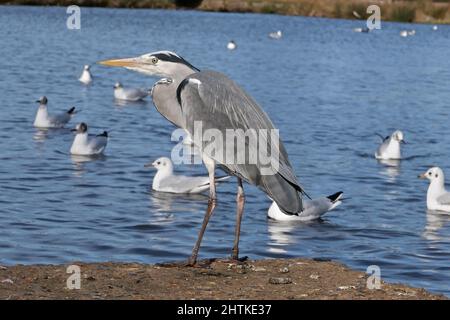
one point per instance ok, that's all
(327, 89)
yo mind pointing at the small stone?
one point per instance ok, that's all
(284, 270)
(258, 269)
(280, 280)
(8, 281)
(314, 276)
(346, 287)
(3, 268)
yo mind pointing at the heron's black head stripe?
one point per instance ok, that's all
(173, 58)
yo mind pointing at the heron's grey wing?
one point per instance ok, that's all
(220, 104)
(135, 94)
(182, 184)
(444, 199)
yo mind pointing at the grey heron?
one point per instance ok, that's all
(187, 95)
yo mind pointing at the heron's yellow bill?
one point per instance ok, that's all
(128, 62)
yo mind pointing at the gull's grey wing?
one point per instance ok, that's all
(98, 143)
(135, 94)
(219, 103)
(444, 199)
(183, 184)
(382, 148)
(60, 119)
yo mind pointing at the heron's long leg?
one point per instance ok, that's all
(240, 200)
(208, 214)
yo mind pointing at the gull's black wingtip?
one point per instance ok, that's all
(104, 134)
(71, 110)
(336, 196)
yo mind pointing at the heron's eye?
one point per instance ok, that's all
(154, 60)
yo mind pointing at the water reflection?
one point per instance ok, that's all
(391, 169)
(78, 162)
(280, 235)
(40, 135)
(172, 202)
(124, 103)
(435, 221)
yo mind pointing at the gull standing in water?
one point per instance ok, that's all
(438, 199)
(390, 147)
(86, 76)
(129, 94)
(45, 120)
(219, 104)
(83, 145)
(312, 209)
(166, 181)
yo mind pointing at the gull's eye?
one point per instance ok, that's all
(159, 162)
(154, 60)
(436, 175)
(429, 173)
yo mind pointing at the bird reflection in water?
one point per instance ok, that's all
(436, 220)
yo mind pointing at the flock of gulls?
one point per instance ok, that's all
(185, 94)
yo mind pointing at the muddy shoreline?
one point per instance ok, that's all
(254, 279)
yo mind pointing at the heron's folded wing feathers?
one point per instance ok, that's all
(220, 104)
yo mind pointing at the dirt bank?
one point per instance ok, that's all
(262, 279)
(423, 11)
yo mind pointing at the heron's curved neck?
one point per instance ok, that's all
(165, 101)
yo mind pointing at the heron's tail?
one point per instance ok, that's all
(283, 193)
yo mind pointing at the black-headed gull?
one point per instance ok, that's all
(83, 145)
(166, 181)
(86, 77)
(312, 209)
(44, 120)
(129, 94)
(438, 198)
(390, 147)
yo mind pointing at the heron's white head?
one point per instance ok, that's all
(398, 136)
(162, 164)
(433, 174)
(161, 63)
(80, 128)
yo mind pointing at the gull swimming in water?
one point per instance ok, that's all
(276, 35)
(390, 147)
(403, 33)
(83, 145)
(435, 28)
(312, 209)
(166, 181)
(363, 30)
(438, 199)
(129, 94)
(231, 45)
(44, 120)
(86, 76)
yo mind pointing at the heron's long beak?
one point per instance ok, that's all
(422, 176)
(127, 62)
(149, 165)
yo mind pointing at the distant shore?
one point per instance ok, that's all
(424, 11)
(259, 280)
